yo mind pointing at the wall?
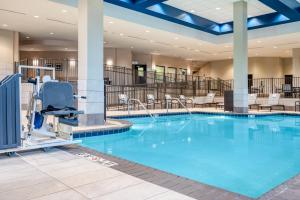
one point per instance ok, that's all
(118, 57)
(59, 55)
(260, 67)
(9, 49)
(152, 60)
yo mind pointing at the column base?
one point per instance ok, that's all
(91, 119)
(240, 109)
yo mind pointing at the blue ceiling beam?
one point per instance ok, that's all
(282, 8)
(175, 15)
(261, 21)
(148, 3)
(171, 14)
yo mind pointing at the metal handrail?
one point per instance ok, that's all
(176, 99)
(141, 104)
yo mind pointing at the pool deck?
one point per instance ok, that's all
(62, 174)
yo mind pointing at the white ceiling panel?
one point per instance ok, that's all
(220, 11)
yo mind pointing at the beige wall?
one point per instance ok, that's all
(154, 60)
(59, 55)
(8, 52)
(118, 57)
(260, 67)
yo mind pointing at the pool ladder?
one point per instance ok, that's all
(178, 100)
(142, 105)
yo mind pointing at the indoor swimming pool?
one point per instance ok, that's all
(245, 155)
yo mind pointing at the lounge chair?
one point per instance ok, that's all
(273, 101)
(123, 101)
(169, 101)
(185, 101)
(252, 101)
(208, 100)
(152, 102)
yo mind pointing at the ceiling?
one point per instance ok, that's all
(218, 11)
(55, 28)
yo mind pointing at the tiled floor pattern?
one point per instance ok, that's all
(289, 190)
(59, 175)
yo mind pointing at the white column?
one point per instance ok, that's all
(90, 61)
(296, 62)
(240, 62)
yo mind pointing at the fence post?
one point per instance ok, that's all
(272, 85)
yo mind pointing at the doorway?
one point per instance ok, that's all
(287, 88)
(140, 74)
(250, 83)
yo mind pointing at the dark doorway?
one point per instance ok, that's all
(287, 87)
(250, 82)
(140, 72)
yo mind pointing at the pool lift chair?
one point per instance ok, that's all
(56, 100)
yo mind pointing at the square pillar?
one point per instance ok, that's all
(240, 61)
(90, 62)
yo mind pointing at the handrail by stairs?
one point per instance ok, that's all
(176, 99)
(141, 104)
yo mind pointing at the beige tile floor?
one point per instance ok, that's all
(58, 175)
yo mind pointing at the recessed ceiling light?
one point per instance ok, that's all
(192, 11)
(51, 33)
(175, 38)
(275, 47)
(147, 31)
(36, 16)
(28, 37)
(4, 25)
(111, 22)
(258, 41)
(131, 47)
(66, 48)
(218, 8)
(121, 34)
(64, 11)
(104, 42)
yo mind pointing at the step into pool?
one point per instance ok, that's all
(245, 155)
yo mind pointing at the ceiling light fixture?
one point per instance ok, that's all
(64, 11)
(4, 25)
(36, 16)
(28, 37)
(275, 47)
(258, 41)
(192, 11)
(131, 47)
(111, 22)
(51, 33)
(175, 38)
(218, 8)
(66, 48)
(147, 31)
(121, 34)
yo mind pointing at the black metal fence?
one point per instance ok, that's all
(122, 80)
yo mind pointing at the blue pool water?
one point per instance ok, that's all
(245, 155)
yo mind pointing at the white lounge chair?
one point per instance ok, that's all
(273, 101)
(185, 101)
(170, 101)
(152, 102)
(208, 100)
(252, 101)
